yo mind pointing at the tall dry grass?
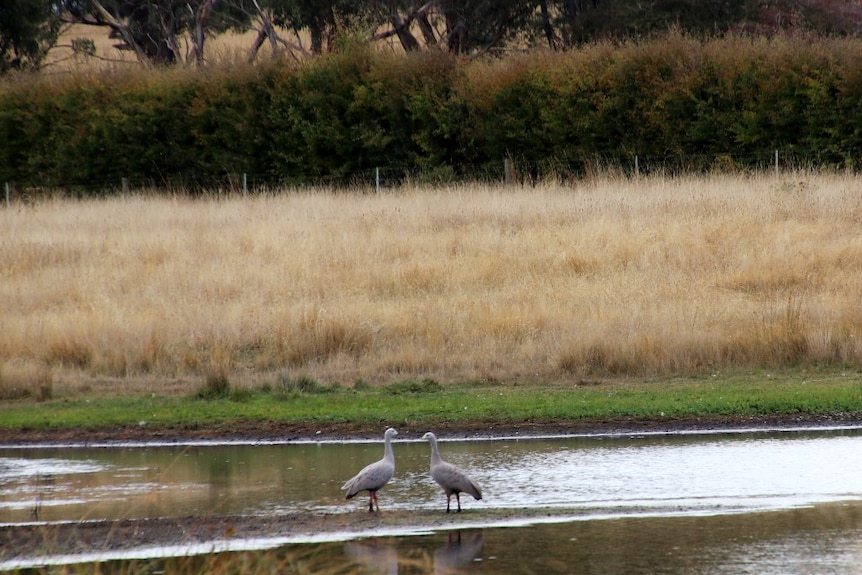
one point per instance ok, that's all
(631, 277)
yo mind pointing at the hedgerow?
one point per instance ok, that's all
(672, 101)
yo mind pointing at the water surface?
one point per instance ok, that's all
(696, 473)
(758, 502)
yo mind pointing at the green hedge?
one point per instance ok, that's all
(672, 101)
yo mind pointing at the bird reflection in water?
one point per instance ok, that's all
(377, 556)
(374, 555)
(459, 551)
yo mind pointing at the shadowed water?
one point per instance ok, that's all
(764, 502)
(821, 540)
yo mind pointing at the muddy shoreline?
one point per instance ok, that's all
(263, 431)
(27, 543)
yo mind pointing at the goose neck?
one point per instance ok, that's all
(388, 454)
(435, 453)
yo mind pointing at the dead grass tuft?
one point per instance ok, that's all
(22, 378)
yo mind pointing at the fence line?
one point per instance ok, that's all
(509, 170)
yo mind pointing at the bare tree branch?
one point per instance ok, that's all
(401, 26)
(122, 30)
(268, 31)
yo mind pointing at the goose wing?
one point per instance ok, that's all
(453, 480)
(372, 477)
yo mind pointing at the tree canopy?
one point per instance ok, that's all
(28, 29)
(166, 32)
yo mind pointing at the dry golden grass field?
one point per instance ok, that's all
(611, 277)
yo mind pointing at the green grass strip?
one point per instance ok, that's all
(426, 402)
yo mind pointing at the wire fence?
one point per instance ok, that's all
(508, 170)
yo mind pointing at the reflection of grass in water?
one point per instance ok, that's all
(320, 559)
(335, 558)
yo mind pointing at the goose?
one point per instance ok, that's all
(375, 475)
(450, 477)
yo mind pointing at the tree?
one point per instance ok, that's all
(28, 29)
(459, 26)
(159, 31)
(323, 19)
(164, 32)
(573, 22)
(483, 24)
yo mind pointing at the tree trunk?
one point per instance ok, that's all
(122, 30)
(199, 34)
(425, 24)
(401, 27)
(550, 34)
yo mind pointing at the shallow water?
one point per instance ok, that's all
(696, 473)
(758, 502)
(822, 540)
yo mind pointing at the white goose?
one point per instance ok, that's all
(375, 475)
(450, 477)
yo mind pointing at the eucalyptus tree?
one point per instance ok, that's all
(28, 29)
(321, 21)
(159, 32)
(567, 23)
(459, 26)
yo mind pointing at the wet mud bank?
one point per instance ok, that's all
(252, 431)
(91, 538)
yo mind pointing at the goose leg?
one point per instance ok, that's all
(448, 499)
(458, 498)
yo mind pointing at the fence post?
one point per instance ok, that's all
(776, 162)
(244, 184)
(377, 180)
(7, 194)
(125, 184)
(637, 168)
(507, 171)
